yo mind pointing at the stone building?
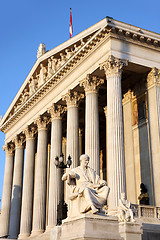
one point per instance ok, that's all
(98, 93)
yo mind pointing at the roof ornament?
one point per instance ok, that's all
(41, 50)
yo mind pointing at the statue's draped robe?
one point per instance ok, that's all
(86, 189)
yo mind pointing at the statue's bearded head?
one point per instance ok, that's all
(84, 160)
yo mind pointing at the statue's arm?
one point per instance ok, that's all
(68, 176)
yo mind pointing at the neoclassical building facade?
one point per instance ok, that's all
(97, 93)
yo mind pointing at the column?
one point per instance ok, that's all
(55, 190)
(39, 207)
(72, 99)
(28, 184)
(17, 188)
(105, 112)
(153, 82)
(7, 189)
(129, 149)
(91, 85)
(115, 140)
(80, 142)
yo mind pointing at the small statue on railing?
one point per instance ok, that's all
(125, 211)
(143, 197)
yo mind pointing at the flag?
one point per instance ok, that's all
(70, 25)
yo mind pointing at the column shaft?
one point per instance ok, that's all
(92, 130)
(28, 186)
(91, 85)
(39, 209)
(73, 134)
(16, 193)
(55, 176)
(7, 193)
(154, 127)
(115, 140)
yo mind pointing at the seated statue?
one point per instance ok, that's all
(88, 192)
(125, 211)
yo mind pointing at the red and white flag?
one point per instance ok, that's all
(70, 25)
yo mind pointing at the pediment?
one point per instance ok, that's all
(52, 66)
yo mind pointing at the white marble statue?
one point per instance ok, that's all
(32, 86)
(125, 211)
(41, 50)
(42, 75)
(88, 192)
(69, 53)
(50, 71)
(54, 64)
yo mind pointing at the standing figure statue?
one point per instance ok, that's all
(42, 75)
(50, 71)
(32, 86)
(41, 50)
(125, 212)
(88, 192)
(54, 64)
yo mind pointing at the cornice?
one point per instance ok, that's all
(136, 33)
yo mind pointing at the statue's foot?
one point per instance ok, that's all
(94, 209)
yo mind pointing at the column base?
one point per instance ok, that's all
(130, 230)
(49, 228)
(23, 235)
(36, 232)
(12, 237)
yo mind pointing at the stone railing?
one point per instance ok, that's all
(146, 211)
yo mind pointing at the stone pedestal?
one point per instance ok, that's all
(130, 231)
(87, 227)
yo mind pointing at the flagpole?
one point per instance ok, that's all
(70, 25)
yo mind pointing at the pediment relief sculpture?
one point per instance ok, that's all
(88, 193)
(46, 71)
(33, 85)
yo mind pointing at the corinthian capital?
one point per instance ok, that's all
(30, 132)
(91, 83)
(153, 77)
(42, 122)
(72, 98)
(9, 148)
(113, 65)
(19, 140)
(56, 111)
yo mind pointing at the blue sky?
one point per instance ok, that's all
(24, 24)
